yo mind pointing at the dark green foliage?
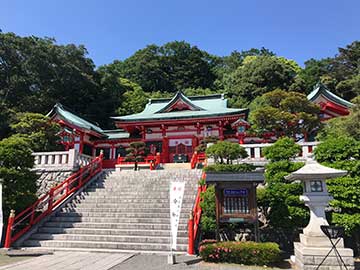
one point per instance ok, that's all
(226, 151)
(208, 206)
(248, 253)
(230, 168)
(344, 153)
(282, 150)
(338, 149)
(135, 151)
(282, 212)
(173, 66)
(258, 75)
(284, 113)
(19, 183)
(38, 130)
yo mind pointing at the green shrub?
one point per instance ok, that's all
(230, 168)
(249, 253)
(208, 206)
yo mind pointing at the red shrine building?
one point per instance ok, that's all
(173, 127)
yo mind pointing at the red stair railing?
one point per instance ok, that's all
(19, 224)
(194, 219)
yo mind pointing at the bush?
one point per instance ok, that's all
(226, 151)
(282, 149)
(230, 168)
(249, 253)
(208, 206)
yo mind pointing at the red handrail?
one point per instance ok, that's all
(18, 225)
(197, 158)
(194, 220)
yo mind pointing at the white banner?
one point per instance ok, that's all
(176, 197)
(175, 142)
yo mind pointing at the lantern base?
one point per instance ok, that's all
(309, 257)
(319, 241)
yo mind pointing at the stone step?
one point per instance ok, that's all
(107, 238)
(114, 220)
(119, 210)
(138, 232)
(129, 205)
(123, 226)
(120, 215)
(111, 197)
(103, 245)
(120, 201)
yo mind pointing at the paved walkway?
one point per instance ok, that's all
(71, 261)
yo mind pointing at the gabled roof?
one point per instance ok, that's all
(321, 89)
(73, 119)
(192, 107)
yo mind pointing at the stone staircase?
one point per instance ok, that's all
(126, 211)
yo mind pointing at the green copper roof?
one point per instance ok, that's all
(116, 134)
(201, 106)
(73, 118)
(321, 89)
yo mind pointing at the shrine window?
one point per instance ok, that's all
(236, 201)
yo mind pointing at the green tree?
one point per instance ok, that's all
(173, 66)
(283, 149)
(35, 73)
(226, 151)
(284, 113)
(256, 76)
(19, 182)
(281, 210)
(38, 130)
(344, 153)
(135, 153)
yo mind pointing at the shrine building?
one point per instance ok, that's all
(174, 127)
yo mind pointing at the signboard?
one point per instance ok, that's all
(176, 197)
(236, 192)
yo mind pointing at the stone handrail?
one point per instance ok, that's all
(60, 160)
(255, 151)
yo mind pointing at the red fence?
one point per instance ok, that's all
(196, 159)
(194, 220)
(152, 160)
(20, 224)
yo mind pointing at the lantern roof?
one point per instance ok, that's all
(312, 170)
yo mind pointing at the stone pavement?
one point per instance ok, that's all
(159, 262)
(71, 261)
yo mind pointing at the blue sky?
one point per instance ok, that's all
(110, 29)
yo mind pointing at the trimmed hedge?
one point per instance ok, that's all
(230, 168)
(249, 253)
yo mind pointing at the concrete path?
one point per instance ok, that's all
(71, 261)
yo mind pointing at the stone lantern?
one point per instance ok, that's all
(314, 244)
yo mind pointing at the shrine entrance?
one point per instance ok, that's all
(180, 150)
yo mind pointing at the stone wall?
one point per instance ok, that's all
(49, 179)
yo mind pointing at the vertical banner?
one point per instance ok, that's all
(176, 197)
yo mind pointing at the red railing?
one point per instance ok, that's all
(152, 160)
(196, 159)
(19, 224)
(194, 219)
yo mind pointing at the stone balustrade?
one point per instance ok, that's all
(255, 152)
(60, 160)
